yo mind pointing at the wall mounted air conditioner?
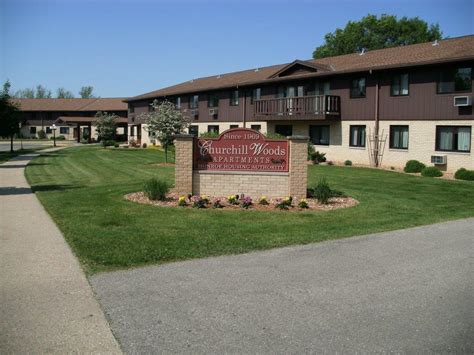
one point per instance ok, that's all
(439, 159)
(194, 113)
(460, 101)
(213, 111)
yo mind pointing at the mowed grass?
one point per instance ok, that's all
(83, 188)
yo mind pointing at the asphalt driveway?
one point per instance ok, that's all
(402, 291)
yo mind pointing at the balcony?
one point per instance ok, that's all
(298, 108)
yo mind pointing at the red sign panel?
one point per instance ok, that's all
(241, 149)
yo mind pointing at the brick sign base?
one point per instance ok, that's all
(277, 174)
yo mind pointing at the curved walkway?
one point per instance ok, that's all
(47, 305)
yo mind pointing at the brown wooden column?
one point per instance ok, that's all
(90, 132)
(78, 133)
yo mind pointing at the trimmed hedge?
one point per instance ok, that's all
(464, 174)
(414, 166)
(431, 171)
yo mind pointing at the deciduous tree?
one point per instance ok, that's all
(62, 93)
(9, 115)
(86, 92)
(373, 32)
(164, 122)
(106, 126)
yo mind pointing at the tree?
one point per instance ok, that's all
(164, 122)
(42, 92)
(62, 93)
(106, 126)
(372, 32)
(86, 92)
(9, 115)
(25, 94)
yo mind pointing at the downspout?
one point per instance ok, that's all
(376, 129)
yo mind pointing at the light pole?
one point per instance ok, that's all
(53, 128)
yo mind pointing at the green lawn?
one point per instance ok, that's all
(83, 188)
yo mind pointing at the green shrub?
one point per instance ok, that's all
(464, 174)
(156, 189)
(58, 138)
(431, 171)
(322, 191)
(414, 166)
(144, 145)
(348, 163)
(108, 143)
(318, 157)
(41, 134)
(116, 145)
(209, 135)
(310, 150)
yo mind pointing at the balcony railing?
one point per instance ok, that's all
(301, 105)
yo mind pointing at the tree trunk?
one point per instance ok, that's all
(11, 143)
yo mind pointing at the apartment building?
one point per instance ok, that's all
(380, 107)
(73, 117)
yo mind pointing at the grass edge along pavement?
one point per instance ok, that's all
(83, 189)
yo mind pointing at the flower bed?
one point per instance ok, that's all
(243, 203)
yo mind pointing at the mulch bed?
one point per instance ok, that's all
(314, 205)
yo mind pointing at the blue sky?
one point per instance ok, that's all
(125, 47)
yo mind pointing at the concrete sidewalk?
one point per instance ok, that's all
(47, 305)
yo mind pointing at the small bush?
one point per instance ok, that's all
(182, 201)
(464, 174)
(284, 204)
(310, 150)
(318, 157)
(263, 201)
(156, 189)
(108, 143)
(233, 199)
(58, 138)
(41, 134)
(431, 171)
(144, 145)
(414, 166)
(322, 191)
(209, 135)
(303, 203)
(217, 204)
(116, 145)
(247, 202)
(200, 201)
(348, 163)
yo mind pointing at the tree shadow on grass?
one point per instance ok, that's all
(14, 190)
(58, 187)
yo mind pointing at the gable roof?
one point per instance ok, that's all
(449, 50)
(97, 104)
(306, 66)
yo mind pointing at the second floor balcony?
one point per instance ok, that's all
(299, 107)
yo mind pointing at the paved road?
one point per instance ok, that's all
(46, 303)
(31, 144)
(403, 291)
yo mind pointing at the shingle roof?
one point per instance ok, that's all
(460, 48)
(98, 104)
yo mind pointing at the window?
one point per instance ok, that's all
(357, 136)
(284, 130)
(131, 108)
(49, 130)
(63, 130)
(453, 138)
(256, 127)
(32, 130)
(256, 94)
(322, 88)
(399, 85)
(358, 88)
(234, 126)
(213, 129)
(319, 135)
(194, 130)
(399, 137)
(234, 98)
(212, 101)
(455, 80)
(194, 101)
(178, 102)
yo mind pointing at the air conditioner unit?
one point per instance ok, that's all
(439, 159)
(213, 111)
(460, 101)
(194, 113)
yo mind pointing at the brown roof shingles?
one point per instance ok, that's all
(97, 104)
(461, 48)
